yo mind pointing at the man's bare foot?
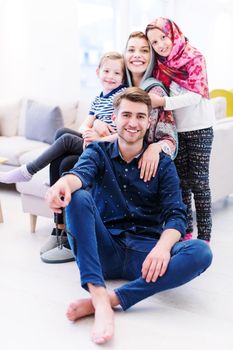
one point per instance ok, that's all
(103, 328)
(79, 309)
(84, 307)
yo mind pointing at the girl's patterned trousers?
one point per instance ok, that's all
(192, 163)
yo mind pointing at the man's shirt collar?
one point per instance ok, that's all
(116, 152)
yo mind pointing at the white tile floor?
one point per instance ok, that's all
(34, 296)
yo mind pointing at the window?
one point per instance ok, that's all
(96, 37)
(142, 13)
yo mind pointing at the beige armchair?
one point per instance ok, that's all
(33, 192)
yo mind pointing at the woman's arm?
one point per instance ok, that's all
(162, 137)
(163, 130)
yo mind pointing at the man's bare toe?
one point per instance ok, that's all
(103, 338)
(104, 325)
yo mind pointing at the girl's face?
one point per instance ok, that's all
(161, 43)
(137, 55)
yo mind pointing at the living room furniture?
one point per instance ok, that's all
(2, 160)
(20, 145)
(221, 166)
(228, 94)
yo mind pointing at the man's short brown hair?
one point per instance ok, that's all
(133, 94)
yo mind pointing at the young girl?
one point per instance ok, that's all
(182, 69)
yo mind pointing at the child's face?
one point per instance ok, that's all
(161, 43)
(137, 55)
(110, 74)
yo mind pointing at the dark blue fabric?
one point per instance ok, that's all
(125, 202)
(101, 255)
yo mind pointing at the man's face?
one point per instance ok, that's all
(132, 121)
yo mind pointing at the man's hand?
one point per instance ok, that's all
(58, 196)
(149, 161)
(156, 263)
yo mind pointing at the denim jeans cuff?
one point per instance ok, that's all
(121, 299)
(95, 283)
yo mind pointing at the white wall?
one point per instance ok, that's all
(39, 42)
(39, 49)
(209, 26)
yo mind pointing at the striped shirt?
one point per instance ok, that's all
(102, 106)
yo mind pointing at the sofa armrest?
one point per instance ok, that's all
(9, 118)
(228, 95)
(220, 106)
(221, 166)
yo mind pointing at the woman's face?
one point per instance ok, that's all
(137, 55)
(161, 43)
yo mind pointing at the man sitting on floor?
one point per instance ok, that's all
(125, 227)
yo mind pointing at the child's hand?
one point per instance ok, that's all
(103, 129)
(90, 136)
(156, 100)
(149, 161)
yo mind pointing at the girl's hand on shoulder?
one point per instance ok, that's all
(157, 101)
(149, 161)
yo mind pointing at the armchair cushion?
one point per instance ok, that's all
(42, 121)
(220, 107)
(9, 113)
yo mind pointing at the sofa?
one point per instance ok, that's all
(21, 144)
(221, 165)
(228, 94)
(33, 192)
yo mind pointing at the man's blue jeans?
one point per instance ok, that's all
(101, 255)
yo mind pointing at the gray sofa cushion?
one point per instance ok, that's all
(15, 147)
(41, 122)
(9, 113)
